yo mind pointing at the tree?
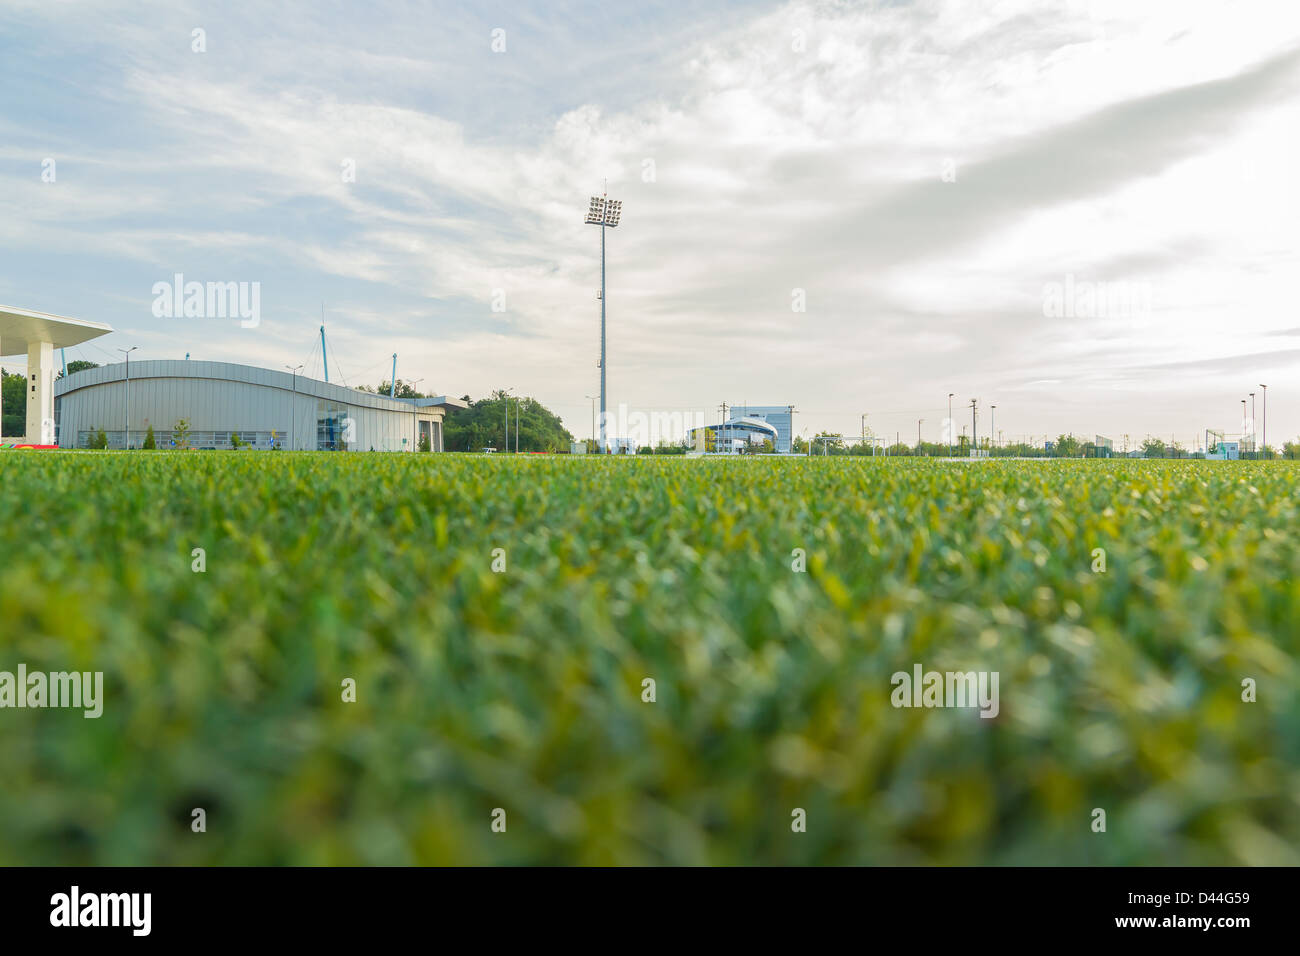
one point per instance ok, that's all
(78, 365)
(1067, 446)
(150, 443)
(828, 443)
(1153, 447)
(1291, 450)
(424, 442)
(181, 433)
(98, 439)
(404, 390)
(484, 424)
(15, 404)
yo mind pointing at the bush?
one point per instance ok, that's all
(149, 442)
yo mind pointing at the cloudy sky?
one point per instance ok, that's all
(1082, 211)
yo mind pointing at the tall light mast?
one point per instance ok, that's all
(603, 212)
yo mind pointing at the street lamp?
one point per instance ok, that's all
(415, 416)
(505, 396)
(1252, 422)
(603, 212)
(918, 436)
(992, 431)
(593, 416)
(974, 435)
(1243, 417)
(127, 431)
(1265, 388)
(950, 424)
(293, 409)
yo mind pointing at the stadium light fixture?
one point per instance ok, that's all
(603, 212)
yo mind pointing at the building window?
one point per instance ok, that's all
(334, 426)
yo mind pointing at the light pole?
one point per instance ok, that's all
(1265, 388)
(950, 426)
(791, 409)
(993, 409)
(505, 396)
(918, 436)
(973, 434)
(519, 413)
(293, 409)
(1253, 446)
(415, 417)
(864, 433)
(127, 352)
(593, 417)
(1243, 417)
(603, 212)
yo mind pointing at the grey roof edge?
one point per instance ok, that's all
(233, 372)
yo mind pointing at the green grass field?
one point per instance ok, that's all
(522, 690)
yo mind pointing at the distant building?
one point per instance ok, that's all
(778, 416)
(1224, 451)
(1101, 447)
(736, 433)
(263, 407)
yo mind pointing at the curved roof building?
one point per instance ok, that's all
(739, 431)
(265, 408)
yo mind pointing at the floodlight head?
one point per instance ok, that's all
(604, 212)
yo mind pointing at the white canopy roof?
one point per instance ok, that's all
(21, 327)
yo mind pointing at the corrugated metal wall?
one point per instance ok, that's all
(217, 396)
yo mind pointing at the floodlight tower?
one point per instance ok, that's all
(603, 212)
